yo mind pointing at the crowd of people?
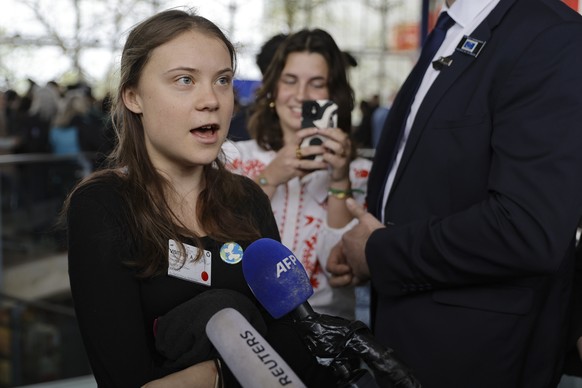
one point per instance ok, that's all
(463, 224)
(54, 118)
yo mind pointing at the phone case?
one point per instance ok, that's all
(320, 114)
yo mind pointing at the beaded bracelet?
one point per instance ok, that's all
(262, 180)
(342, 194)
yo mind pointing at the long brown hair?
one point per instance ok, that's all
(220, 205)
(264, 123)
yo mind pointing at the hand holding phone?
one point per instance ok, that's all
(319, 114)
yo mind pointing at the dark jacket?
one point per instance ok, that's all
(473, 277)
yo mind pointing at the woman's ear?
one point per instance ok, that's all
(131, 100)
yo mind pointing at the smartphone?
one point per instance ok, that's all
(320, 114)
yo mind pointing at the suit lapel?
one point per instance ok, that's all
(444, 81)
(382, 157)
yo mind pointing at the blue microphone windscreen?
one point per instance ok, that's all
(275, 276)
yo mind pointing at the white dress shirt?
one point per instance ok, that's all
(467, 14)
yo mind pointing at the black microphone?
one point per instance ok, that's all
(280, 283)
(441, 63)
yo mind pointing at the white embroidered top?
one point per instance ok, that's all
(300, 208)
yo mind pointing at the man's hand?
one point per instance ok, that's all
(337, 265)
(347, 260)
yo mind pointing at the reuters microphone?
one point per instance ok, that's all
(247, 353)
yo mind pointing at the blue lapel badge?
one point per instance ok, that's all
(470, 46)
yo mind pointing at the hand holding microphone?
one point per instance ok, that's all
(280, 283)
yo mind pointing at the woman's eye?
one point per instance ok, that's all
(185, 80)
(224, 80)
(288, 81)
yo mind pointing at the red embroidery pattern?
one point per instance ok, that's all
(310, 216)
(252, 168)
(234, 165)
(313, 280)
(361, 173)
(299, 214)
(308, 254)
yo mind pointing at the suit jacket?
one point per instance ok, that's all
(573, 364)
(472, 277)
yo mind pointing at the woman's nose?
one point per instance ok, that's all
(207, 99)
(301, 92)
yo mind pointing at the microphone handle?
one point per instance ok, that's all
(303, 311)
(252, 360)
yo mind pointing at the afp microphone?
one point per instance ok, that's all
(279, 282)
(277, 278)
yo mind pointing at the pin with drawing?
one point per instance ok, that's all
(231, 253)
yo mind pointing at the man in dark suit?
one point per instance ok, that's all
(469, 239)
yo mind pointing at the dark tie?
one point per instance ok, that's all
(392, 135)
(431, 46)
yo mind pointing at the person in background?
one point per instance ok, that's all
(45, 103)
(96, 135)
(378, 119)
(362, 133)
(10, 104)
(267, 52)
(238, 126)
(307, 196)
(64, 133)
(474, 198)
(4, 129)
(30, 119)
(165, 195)
(33, 117)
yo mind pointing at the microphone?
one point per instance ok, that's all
(281, 284)
(277, 278)
(222, 322)
(249, 356)
(441, 63)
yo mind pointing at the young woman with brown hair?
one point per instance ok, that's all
(149, 232)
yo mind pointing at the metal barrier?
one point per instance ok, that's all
(39, 336)
(39, 342)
